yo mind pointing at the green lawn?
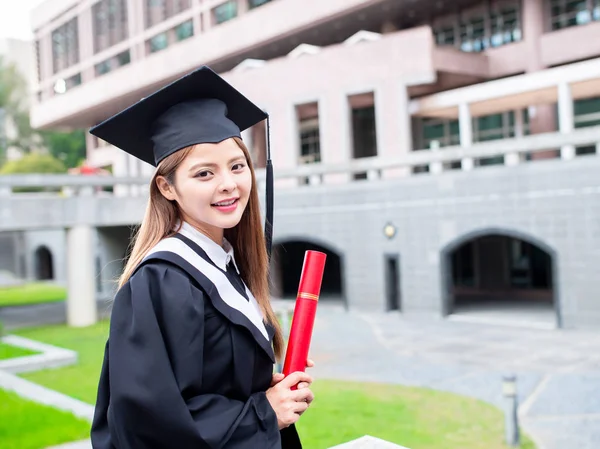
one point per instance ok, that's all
(79, 381)
(8, 351)
(417, 418)
(27, 425)
(34, 293)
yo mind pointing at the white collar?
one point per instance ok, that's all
(220, 255)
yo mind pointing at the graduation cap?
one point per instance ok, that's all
(200, 107)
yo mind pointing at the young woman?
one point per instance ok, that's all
(193, 338)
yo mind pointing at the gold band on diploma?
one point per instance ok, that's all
(308, 296)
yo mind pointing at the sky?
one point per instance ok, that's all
(14, 18)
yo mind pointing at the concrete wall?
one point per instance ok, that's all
(55, 241)
(550, 203)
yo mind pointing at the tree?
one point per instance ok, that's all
(13, 103)
(33, 163)
(68, 147)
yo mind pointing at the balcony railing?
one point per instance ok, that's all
(511, 151)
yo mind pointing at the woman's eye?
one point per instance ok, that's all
(238, 166)
(203, 174)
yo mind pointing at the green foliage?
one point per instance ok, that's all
(68, 147)
(13, 101)
(33, 163)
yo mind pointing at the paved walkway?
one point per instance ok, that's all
(558, 372)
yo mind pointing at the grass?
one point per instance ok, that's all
(9, 351)
(34, 293)
(417, 418)
(79, 381)
(27, 425)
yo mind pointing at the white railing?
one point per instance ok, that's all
(512, 152)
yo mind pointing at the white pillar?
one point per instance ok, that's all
(465, 125)
(81, 291)
(514, 158)
(566, 119)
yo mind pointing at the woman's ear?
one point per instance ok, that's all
(166, 189)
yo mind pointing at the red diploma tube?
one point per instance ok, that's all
(304, 312)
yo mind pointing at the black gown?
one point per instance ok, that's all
(187, 362)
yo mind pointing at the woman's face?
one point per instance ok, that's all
(212, 186)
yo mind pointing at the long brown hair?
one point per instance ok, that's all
(247, 238)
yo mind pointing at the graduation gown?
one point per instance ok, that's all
(187, 362)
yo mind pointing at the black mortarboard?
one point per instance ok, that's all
(200, 107)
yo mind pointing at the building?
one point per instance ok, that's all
(345, 80)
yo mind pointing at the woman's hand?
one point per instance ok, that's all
(287, 404)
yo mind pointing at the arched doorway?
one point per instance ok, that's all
(44, 266)
(286, 268)
(501, 276)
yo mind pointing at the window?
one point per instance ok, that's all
(113, 63)
(65, 46)
(159, 42)
(310, 143)
(110, 23)
(184, 31)
(438, 133)
(256, 3)
(445, 36)
(160, 10)
(505, 26)
(482, 29)
(225, 12)
(587, 112)
(38, 66)
(472, 34)
(568, 13)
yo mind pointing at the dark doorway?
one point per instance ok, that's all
(501, 276)
(286, 268)
(392, 282)
(44, 266)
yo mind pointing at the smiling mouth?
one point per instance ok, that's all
(226, 203)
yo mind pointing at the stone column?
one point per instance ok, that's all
(334, 129)
(81, 291)
(136, 21)
(86, 42)
(465, 124)
(393, 121)
(541, 118)
(566, 119)
(515, 158)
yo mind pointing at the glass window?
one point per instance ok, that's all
(437, 133)
(110, 23)
(493, 27)
(587, 112)
(65, 46)
(225, 12)
(113, 63)
(159, 42)
(310, 142)
(445, 35)
(256, 3)
(184, 31)
(159, 10)
(568, 13)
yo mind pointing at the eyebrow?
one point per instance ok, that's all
(212, 164)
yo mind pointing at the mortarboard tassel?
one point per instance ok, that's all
(269, 195)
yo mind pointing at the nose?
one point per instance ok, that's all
(228, 183)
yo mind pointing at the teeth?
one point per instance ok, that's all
(225, 203)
